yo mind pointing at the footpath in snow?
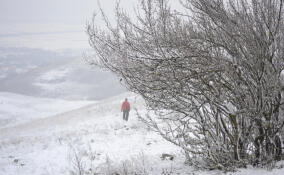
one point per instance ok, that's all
(93, 137)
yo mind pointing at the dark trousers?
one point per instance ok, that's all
(125, 115)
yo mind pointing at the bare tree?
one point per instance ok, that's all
(212, 75)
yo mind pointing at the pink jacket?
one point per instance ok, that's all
(125, 106)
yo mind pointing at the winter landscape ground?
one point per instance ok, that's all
(86, 134)
(60, 115)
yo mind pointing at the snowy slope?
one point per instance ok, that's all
(18, 109)
(99, 138)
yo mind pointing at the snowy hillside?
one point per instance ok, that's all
(95, 134)
(18, 109)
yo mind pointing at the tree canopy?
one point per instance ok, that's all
(212, 75)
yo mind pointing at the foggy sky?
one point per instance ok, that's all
(41, 11)
(53, 24)
(50, 24)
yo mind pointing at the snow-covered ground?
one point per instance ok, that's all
(94, 133)
(18, 109)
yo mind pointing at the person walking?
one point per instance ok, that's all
(125, 108)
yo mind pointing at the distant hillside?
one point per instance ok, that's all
(42, 73)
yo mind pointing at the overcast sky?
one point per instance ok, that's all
(51, 24)
(63, 11)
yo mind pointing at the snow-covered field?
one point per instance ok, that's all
(18, 109)
(50, 134)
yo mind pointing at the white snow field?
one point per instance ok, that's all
(18, 109)
(51, 137)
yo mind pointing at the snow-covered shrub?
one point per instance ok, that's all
(85, 165)
(210, 71)
(77, 165)
(126, 167)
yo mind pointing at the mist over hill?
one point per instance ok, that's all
(64, 74)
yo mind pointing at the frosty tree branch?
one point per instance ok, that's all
(213, 78)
